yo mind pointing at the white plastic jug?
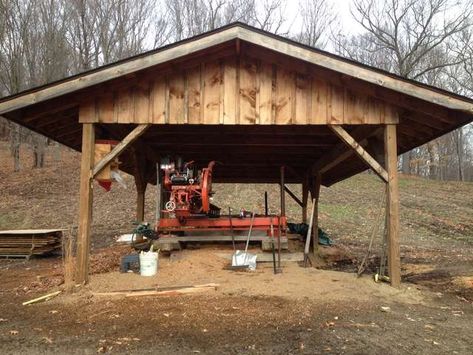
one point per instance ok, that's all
(149, 263)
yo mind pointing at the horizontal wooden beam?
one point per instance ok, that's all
(360, 151)
(119, 148)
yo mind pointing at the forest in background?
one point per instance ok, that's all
(430, 41)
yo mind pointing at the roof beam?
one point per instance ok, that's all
(360, 151)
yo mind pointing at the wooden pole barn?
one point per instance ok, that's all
(269, 109)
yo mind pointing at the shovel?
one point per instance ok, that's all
(243, 259)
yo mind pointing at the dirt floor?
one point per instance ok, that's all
(302, 310)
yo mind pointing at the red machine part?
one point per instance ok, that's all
(189, 209)
(188, 196)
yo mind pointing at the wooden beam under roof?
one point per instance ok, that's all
(119, 148)
(360, 151)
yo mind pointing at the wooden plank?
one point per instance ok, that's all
(101, 150)
(360, 151)
(105, 108)
(194, 94)
(85, 203)
(212, 81)
(87, 113)
(319, 102)
(158, 101)
(391, 114)
(141, 103)
(123, 106)
(120, 147)
(176, 98)
(392, 205)
(336, 104)
(169, 291)
(284, 96)
(265, 93)
(355, 108)
(247, 91)
(230, 91)
(302, 99)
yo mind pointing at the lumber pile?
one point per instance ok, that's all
(28, 242)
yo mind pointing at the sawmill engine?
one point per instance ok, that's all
(190, 191)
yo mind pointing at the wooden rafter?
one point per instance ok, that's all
(360, 151)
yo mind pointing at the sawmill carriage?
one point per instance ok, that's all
(187, 200)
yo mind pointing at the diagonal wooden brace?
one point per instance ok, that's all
(360, 151)
(120, 148)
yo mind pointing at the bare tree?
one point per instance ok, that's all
(412, 38)
(318, 18)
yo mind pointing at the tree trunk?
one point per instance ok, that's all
(406, 163)
(15, 145)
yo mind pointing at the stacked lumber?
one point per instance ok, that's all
(28, 242)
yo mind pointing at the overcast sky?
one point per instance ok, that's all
(340, 7)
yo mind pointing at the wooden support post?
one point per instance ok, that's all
(140, 202)
(283, 194)
(140, 182)
(158, 193)
(85, 203)
(305, 197)
(315, 224)
(266, 208)
(392, 205)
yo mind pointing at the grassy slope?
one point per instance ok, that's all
(436, 215)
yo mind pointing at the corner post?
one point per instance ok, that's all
(283, 192)
(85, 203)
(140, 202)
(305, 197)
(392, 205)
(140, 183)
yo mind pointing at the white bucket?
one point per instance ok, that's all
(148, 263)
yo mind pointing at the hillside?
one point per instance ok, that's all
(436, 217)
